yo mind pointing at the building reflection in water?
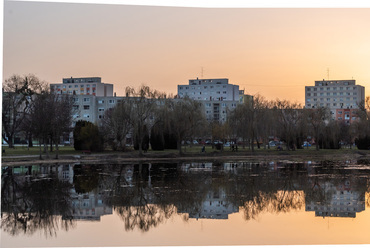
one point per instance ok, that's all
(151, 193)
(341, 201)
(215, 205)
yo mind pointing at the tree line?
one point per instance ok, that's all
(151, 118)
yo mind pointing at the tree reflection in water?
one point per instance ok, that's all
(146, 195)
(34, 202)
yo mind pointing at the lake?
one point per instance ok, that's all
(186, 203)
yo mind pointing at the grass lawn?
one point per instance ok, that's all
(194, 149)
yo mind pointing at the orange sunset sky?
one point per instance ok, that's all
(271, 51)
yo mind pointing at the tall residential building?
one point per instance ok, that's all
(83, 86)
(209, 89)
(342, 97)
(217, 95)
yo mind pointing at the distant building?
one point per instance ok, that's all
(339, 96)
(217, 95)
(83, 86)
(209, 90)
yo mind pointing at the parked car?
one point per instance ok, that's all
(306, 144)
(273, 143)
(195, 142)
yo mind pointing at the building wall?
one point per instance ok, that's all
(348, 116)
(218, 110)
(83, 86)
(209, 89)
(334, 94)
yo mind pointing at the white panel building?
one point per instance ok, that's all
(209, 90)
(83, 86)
(217, 95)
(334, 94)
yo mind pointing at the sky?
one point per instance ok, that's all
(273, 52)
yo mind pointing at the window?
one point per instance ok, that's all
(101, 109)
(224, 92)
(75, 107)
(86, 107)
(87, 99)
(111, 101)
(328, 99)
(101, 101)
(308, 94)
(75, 99)
(86, 115)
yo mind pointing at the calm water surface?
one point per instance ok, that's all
(233, 203)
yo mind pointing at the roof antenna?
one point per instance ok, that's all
(328, 73)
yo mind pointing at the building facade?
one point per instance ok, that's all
(83, 86)
(217, 96)
(209, 90)
(339, 96)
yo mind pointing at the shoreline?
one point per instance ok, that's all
(168, 157)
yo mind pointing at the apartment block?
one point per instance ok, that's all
(338, 95)
(209, 90)
(83, 86)
(217, 95)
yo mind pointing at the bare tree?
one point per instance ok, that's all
(186, 117)
(289, 119)
(50, 117)
(18, 93)
(116, 124)
(317, 119)
(144, 105)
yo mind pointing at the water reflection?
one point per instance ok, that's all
(55, 197)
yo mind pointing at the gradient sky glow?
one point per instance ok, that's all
(274, 52)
